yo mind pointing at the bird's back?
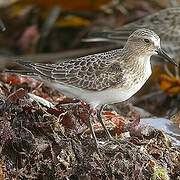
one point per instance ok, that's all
(93, 72)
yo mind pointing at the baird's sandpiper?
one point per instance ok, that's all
(104, 78)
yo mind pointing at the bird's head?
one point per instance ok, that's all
(147, 43)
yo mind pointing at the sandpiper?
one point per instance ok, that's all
(104, 78)
(166, 23)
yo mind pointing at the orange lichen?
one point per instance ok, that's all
(169, 84)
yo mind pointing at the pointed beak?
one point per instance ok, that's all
(163, 54)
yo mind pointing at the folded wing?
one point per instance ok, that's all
(93, 72)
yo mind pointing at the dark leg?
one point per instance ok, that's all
(92, 130)
(99, 116)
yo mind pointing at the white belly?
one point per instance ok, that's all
(95, 98)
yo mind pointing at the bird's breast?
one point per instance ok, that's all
(137, 76)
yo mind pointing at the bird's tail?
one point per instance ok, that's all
(21, 72)
(27, 64)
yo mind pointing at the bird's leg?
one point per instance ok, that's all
(99, 116)
(92, 130)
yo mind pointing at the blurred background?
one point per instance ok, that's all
(44, 26)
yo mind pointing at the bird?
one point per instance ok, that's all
(166, 23)
(106, 77)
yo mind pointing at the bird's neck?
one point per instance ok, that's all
(136, 62)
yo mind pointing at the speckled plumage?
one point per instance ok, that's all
(166, 23)
(104, 78)
(108, 77)
(93, 72)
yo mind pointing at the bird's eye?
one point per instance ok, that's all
(146, 40)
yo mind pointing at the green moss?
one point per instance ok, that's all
(160, 174)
